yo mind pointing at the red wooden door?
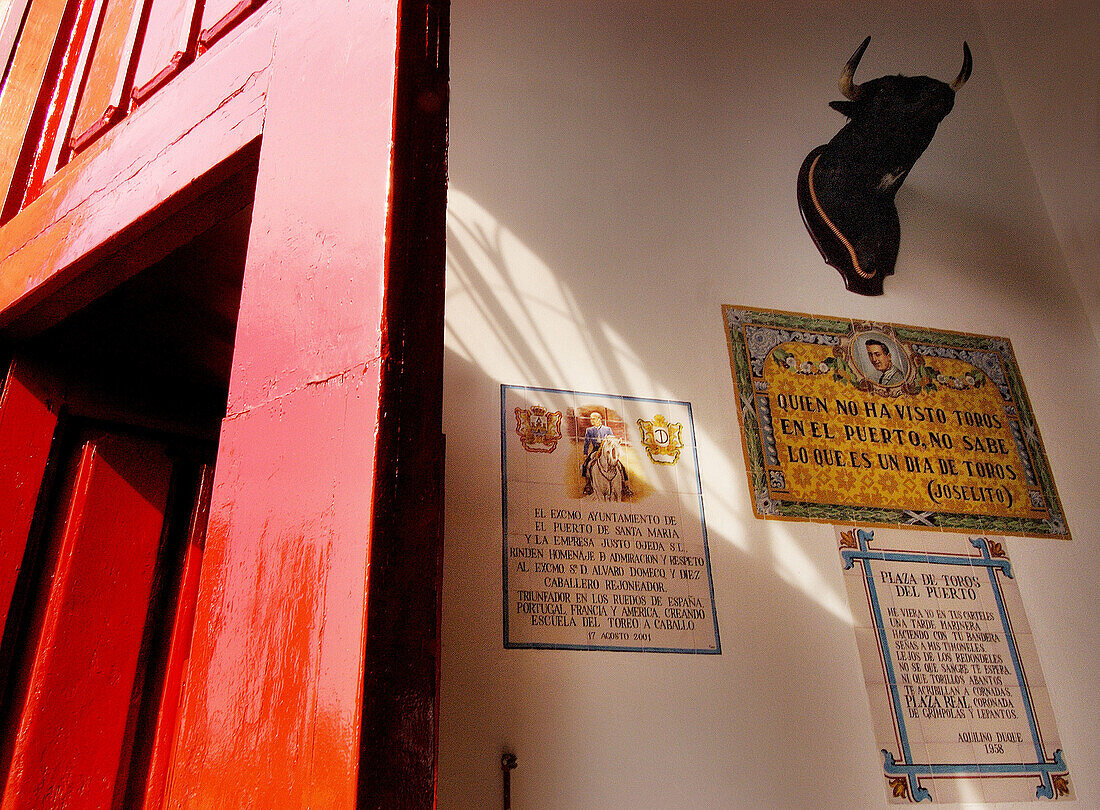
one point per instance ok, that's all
(27, 425)
(70, 737)
(104, 627)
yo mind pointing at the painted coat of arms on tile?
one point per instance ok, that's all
(539, 430)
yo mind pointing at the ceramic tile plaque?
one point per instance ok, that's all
(959, 703)
(605, 544)
(883, 424)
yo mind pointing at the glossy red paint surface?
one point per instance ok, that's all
(215, 110)
(270, 712)
(29, 67)
(219, 16)
(39, 143)
(272, 693)
(27, 425)
(272, 706)
(75, 75)
(102, 100)
(179, 648)
(171, 36)
(74, 723)
(311, 307)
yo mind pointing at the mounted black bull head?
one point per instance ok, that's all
(846, 188)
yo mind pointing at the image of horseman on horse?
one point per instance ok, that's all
(604, 474)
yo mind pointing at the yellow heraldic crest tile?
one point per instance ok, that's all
(539, 430)
(661, 439)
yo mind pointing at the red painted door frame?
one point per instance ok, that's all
(311, 683)
(312, 676)
(398, 746)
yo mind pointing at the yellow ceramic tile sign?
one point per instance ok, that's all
(946, 448)
(886, 424)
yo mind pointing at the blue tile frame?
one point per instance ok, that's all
(1043, 767)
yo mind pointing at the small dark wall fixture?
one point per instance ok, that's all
(846, 188)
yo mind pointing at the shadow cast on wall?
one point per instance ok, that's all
(511, 320)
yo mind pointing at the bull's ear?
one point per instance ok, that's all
(844, 107)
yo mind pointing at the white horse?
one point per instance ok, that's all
(606, 473)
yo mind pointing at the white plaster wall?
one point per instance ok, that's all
(1048, 58)
(618, 171)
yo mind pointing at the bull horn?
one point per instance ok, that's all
(848, 87)
(964, 74)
